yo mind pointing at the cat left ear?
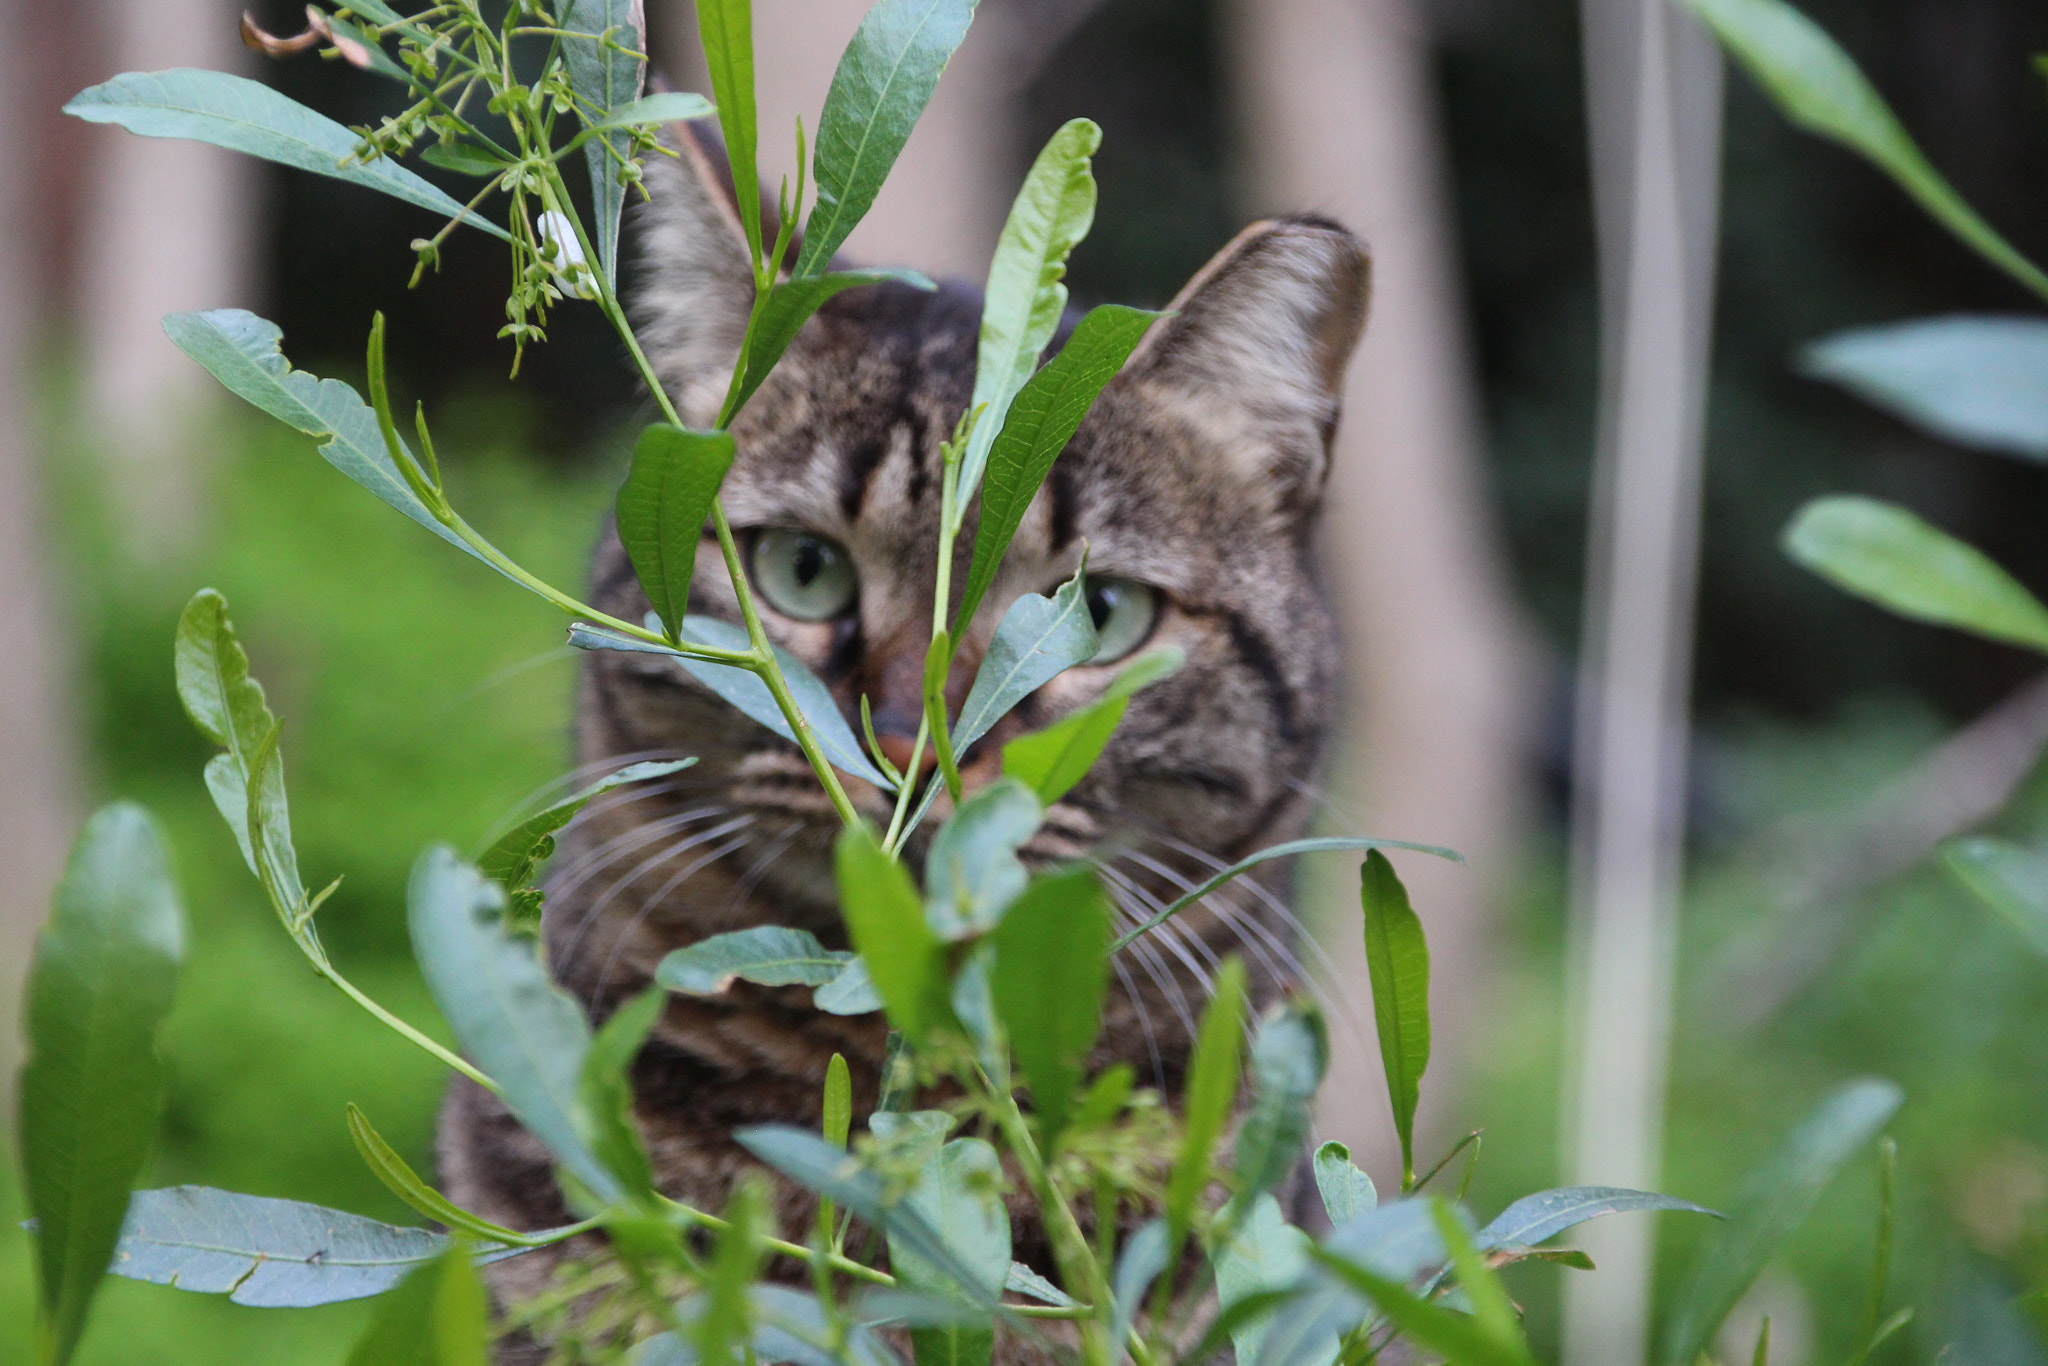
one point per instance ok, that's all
(1258, 343)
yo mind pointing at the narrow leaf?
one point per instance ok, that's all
(726, 30)
(92, 1092)
(1043, 418)
(1978, 381)
(837, 1121)
(1885, 554)
(1533, 1218)
(886, 921)
(605, 1087)
(402, 1181)
(885, 78)
(1265, 1254)
(852, 992)
(1347, 1192)
(957, 1192)
(789, 306)
(1052, 760)
(769, 955)
(1211, 1090)
(1818, 87)
(1146, 1253)
(269, 1254)
(526, 1034)
(1025, 297)
(1397, 960)
(1425, 1322)
(1775, 1201)
(1051, 975)
(1289, 1055)
(2009, 878)
(1492, 1312)
(605, 77)
(662, 509)
(513, 859)
(1039, 639)
(670, 106)
(248, 116)
(972, 872)
(435, 1317)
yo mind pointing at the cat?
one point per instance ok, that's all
(1193, 484)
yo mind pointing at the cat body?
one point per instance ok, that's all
(1192, 486)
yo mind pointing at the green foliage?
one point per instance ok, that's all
(1978, 381)
(606, 72)
(1038, 639)
(886, 921)
(767, 954)
(514, 857)
(1051, 976)
(1054, 759)
(435, 1317)
(1212, 1085)
(1397, 959)
(662, 508)
(726, 29)
(2009, 878)
(92, 1093)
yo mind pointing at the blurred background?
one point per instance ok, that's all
(422, 701)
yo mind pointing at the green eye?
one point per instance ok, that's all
(1124, 613)
(802, 575)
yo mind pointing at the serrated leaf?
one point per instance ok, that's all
(2009, 878)
(1264, 1254)
(1052, 760)
(1979, 381)
(662, 508)
(972, 872)
(768, 955)
(92, 1092)
(1776, 1199)
(1397, 960)
(269, 1254)
(1289, 1055)
(1042, 419)
(1346, 1191)
(604, 78)
(513, 859)
(435, 1317)
(1533, 1218)
(515, 1024)
(247, 116)
(886, 921)
(1038, 639)
(1885, 554)
(1025, 298)
(1819, 88)
(789, 306)
(1051, 976)
(884, 80)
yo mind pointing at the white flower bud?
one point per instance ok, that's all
(564, 255)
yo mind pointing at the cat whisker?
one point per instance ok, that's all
(585, 865)
(590, 914)
(563, 784)
(1170, 989)
(758, 869)
(1131, 994)
(1183, 944)
(647, 906)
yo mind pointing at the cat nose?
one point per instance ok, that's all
(897, 750)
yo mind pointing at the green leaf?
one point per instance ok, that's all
(852, 992)
(885, 78)
(1022, 1280)
(837, 1121)
(1025, 298)
(247, 116)
(1397, 960)
(1211, 1090)
(1289, 1055)
(958, 1193)
(1146, 1253)
(748, 693)
(434, 1318)
(1105, 1098)
(670, 106)
(1775, 1200)
(726, 30)
(464, 159)
(269, 1254)
(1287, 850)
(1819, 88)
(886, 921)
(1347, 1192)
(1038, 639)
(972, 872)
(723, 1325)
(1424, 1322)
(1051, 974)
(1546, 1214)
(526, 1034)
(662, 509)
(92, 1092)
(1885, 554)
(402, 1181)
(769, 955)
(2009, 878)
(606, 1089)
(1043, 418)
(242, 351)
(605, 78)
(789, 306)
(1265, 1254)
(1492, 1312)
(514, 857)
(1052, 760)
(1978, 381)
(817, 1166)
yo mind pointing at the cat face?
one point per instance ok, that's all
(1192, 485)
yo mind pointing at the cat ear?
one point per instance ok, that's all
(1256, 348)
(696, 282)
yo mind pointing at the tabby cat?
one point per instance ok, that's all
(1193, 486)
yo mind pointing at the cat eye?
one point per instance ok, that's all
(1124, 612)
(803, 575)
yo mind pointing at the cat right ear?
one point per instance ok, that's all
(696, 283)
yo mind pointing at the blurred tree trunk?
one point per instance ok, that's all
(168, 226)
(36, 768)
(1337, 115)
